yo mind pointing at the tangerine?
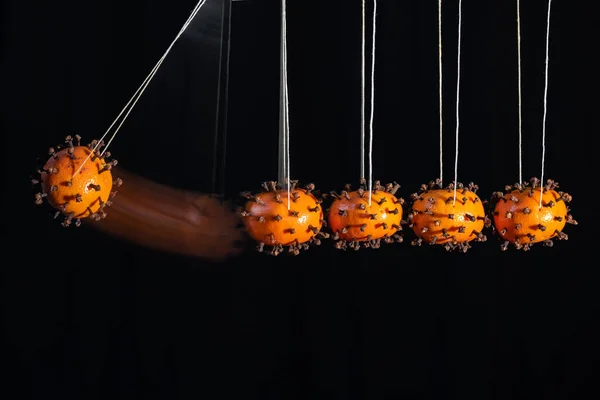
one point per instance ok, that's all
(77, 181)
(282, 219)
(447, 217)
(355, 223)
(530, 213)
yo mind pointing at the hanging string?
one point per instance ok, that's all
(519, 90)
(138, 93)
(440, 87)
(284, 129)
(220, 137)
(362, 92)
(372, 101)
(545, 102)
(287, 120)
(457, 100)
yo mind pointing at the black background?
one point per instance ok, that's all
(85, 316)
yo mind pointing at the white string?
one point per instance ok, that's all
(457, 100)
(519, 90)
(287, 133)
(440, 86)
(372, 101)
(545, 103)
(362, 93)
(138, 93)
(285, 99)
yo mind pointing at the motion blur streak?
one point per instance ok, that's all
(172, 220)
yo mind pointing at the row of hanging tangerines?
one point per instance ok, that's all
(290, 220)
(77, 181)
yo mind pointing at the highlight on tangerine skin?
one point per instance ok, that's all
(77, 181)
(521, 220)
(438, 217)
(274, 219)
(355, 223)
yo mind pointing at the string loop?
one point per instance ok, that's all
(545, 102)
(519, 92)
(457, 101)
(372, 120)
(441, 100)
(284, 118)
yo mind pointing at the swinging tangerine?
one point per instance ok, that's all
(77, 181)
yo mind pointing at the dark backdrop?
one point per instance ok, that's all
(85, 316)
